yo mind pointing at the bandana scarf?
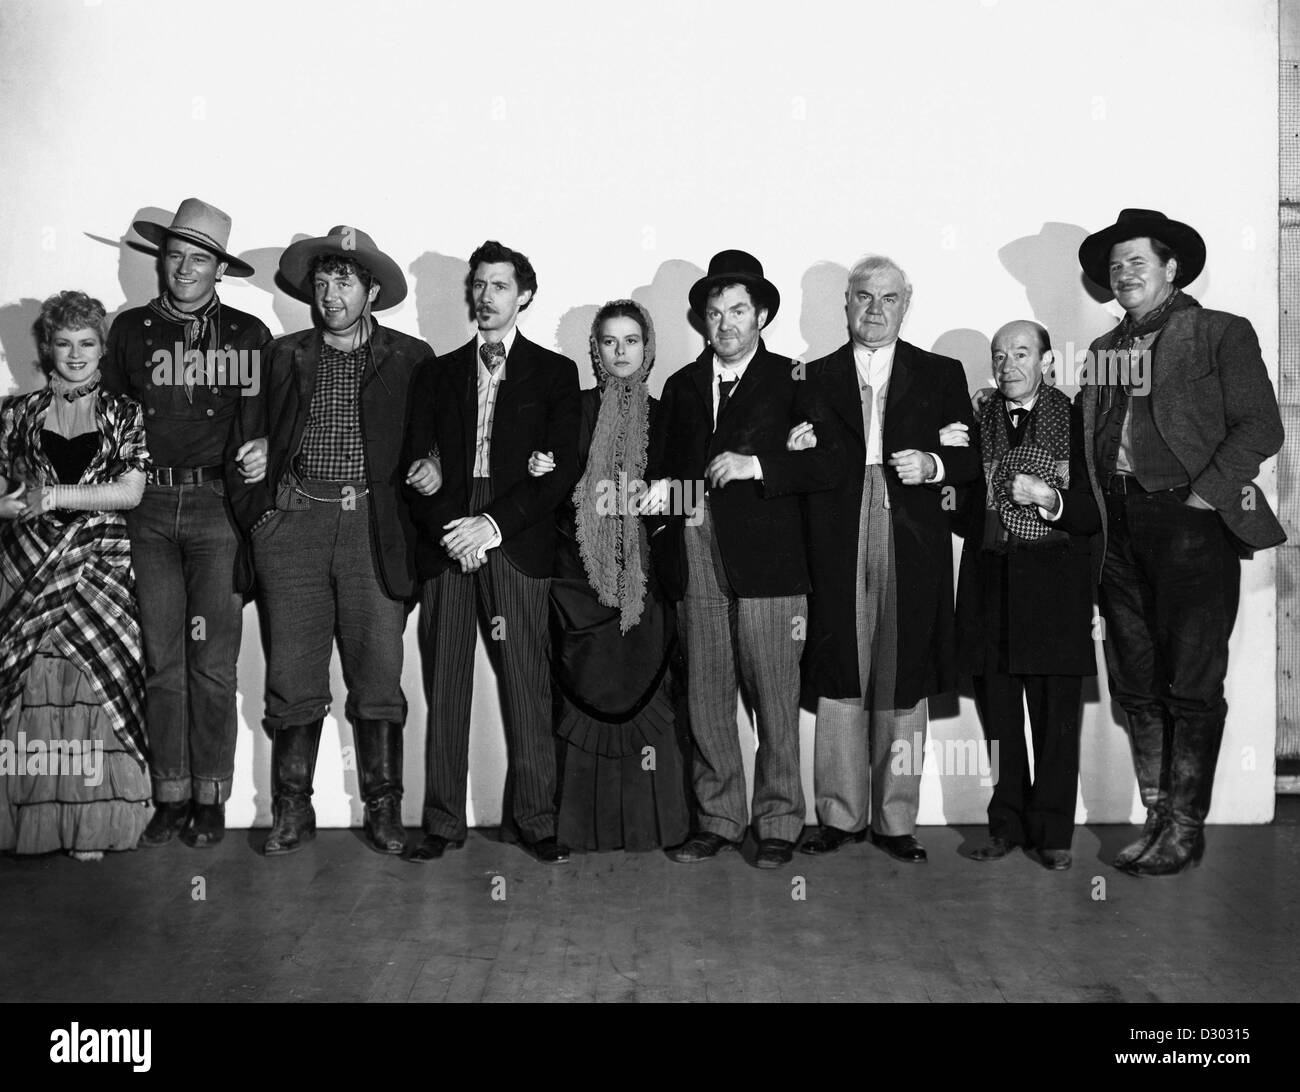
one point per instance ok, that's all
(611, 540)
(200, 327)
(1044, 450)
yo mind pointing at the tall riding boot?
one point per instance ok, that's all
(1195, 755)
(379, 769)
(293, 767)
(1149, 732)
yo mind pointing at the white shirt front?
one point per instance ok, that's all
(875, 366)
(488, 383)
(735, 371)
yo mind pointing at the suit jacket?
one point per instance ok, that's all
(757, 524)
(1213, 404)
(279, 412)
(925, 393)
(537, 409)
(1048, 588)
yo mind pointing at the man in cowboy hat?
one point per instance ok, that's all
(188, 359)
(1024, 597)
(881, 638)
(487, 543)
(1172, 459)
(316, 478)
(737, 564)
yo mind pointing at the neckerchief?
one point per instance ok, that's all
(199, 327)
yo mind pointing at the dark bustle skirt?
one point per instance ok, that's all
(623, 783)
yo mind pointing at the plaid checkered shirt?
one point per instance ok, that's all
(331, 442)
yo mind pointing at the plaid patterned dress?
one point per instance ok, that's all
(71, 659)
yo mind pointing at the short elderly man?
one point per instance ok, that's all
(316, 476)
(737, 563)
(487, 544)
(1173, 449)
(188, 359)
(1024, 597)
(881, 634)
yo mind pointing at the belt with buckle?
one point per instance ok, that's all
(183, 475)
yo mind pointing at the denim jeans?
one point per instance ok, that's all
(317, 580)
(183, 548)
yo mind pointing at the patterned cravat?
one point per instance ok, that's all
(493, 355)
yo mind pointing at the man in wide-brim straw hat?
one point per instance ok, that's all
(316, 485)
(1172, 451)
(183, 540)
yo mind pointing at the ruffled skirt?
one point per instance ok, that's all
(66, 782)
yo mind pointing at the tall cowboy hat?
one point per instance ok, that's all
(353, 244)
(200, 223)
(1094, 251)
(731, 266)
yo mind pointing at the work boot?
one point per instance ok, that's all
(293, 767)
(168, 819)
(1194, 756)
(379, 769)
(1149, 735)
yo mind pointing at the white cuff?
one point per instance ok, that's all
(938, 473)
(758, 469)
(1060, 507)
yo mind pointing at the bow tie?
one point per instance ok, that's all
(493, 355)
(1017, 416)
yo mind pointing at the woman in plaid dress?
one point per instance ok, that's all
(72, 458)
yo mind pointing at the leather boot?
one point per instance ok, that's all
(1149, 735)
(168, 819)
(293, 767)
(379, 769)
(1194, 757)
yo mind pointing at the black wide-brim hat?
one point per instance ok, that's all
(730, 266)
(352, 244)
(1094, 251)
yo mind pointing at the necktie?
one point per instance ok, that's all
(493, 355)
(868, 406)
(725, 387)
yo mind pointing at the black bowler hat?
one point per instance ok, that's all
(1094, 251)
(730, 266)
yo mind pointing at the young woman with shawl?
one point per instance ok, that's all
(72, 458)
(623, 781)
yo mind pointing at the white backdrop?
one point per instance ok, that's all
(976, 141)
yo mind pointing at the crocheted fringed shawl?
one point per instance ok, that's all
(611, 540)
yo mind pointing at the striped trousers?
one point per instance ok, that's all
(515, 609)
(757, 643)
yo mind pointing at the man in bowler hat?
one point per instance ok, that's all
(737, 564)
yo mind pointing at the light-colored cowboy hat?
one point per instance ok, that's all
(199, 223)
(345, 242)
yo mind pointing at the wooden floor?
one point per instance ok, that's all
(338, 922)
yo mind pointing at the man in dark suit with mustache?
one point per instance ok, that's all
(486, 540)
(736, 561)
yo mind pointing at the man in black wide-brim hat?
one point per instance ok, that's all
(1172, 450)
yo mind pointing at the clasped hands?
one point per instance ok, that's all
(13, 506)
(913, 467)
